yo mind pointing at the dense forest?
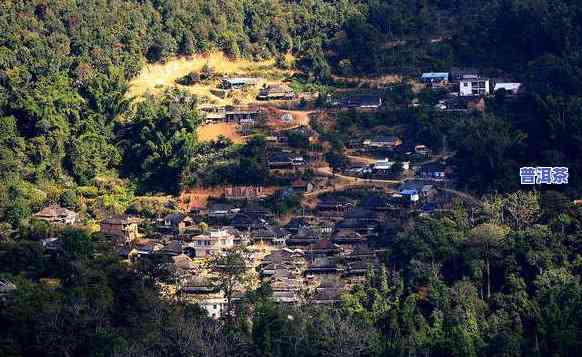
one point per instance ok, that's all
(501, 280)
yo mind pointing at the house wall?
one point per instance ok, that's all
(215, 243)
(113, 229)
(213, 303)
(214, 307)
(128, 232)
(474, 87)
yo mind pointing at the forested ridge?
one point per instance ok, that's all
(500, 279)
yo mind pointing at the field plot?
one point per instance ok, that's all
(210, 132)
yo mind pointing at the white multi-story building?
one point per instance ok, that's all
(474, 87)
(211, 243)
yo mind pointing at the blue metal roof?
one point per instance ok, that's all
(409, 192)
(435, 75)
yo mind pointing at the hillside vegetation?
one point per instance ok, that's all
(501, 277)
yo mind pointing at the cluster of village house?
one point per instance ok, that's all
(312, 258)
(467, 88)
(289, 162)
(315, 256)
(248, 116)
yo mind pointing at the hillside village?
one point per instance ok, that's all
(281, 178)
(331, 237)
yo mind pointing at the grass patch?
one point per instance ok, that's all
(155, 78)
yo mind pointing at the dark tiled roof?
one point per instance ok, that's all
(280, 157)
(375, 202)
(362, 213)
(333, 201)
(327, 296)
(296, 223)
(220, 207)
(54, 211)
(348, 235)
(175, 218)
(385, 139)
(364, 100)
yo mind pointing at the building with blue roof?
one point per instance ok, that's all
(411, 194)
(435, 79)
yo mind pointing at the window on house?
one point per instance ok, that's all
(466, 84)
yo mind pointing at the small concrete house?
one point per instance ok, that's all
(474, 87)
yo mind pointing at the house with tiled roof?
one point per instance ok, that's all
(349, 238)
(124, 229)
(328, 292)
(203, 292)
(303, 237)
(57, 214)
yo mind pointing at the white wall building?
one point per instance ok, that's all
(474, 87)
(512, 88)
(213, 242)
(215, 306)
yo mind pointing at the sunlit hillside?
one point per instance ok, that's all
(154, 78)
